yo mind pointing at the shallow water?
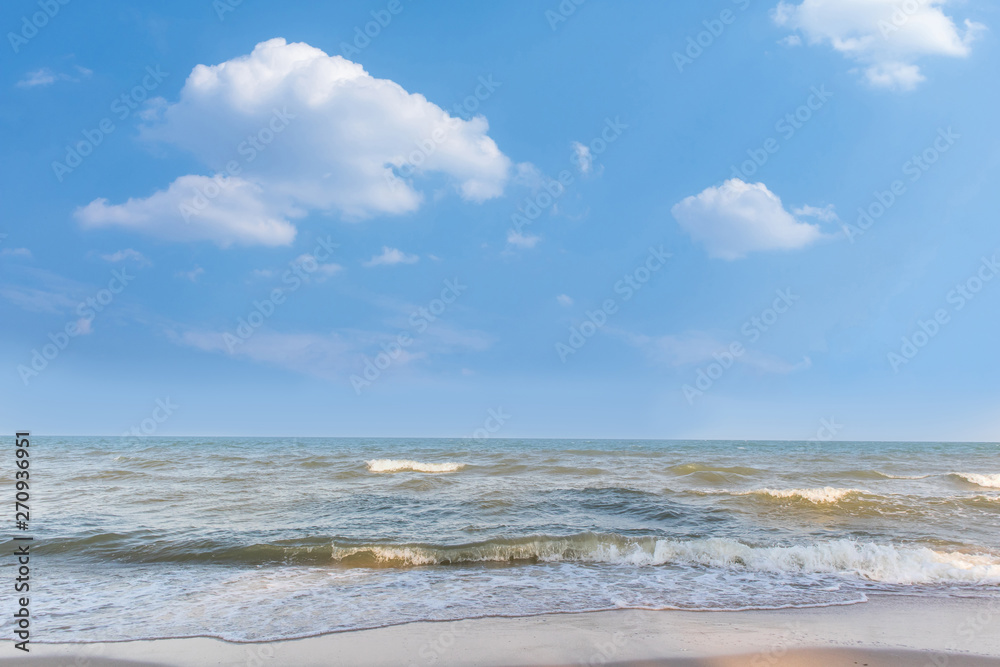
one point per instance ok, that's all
(269, 538)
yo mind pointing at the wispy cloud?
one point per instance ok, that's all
(191, 275)
(46, 77)
(695, 347)
(520, 240)
(128, 254)
(582, 158)
(391, 256)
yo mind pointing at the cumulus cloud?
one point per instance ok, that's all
(15, 252)
(239, 213)
(565, 300)
(306, 132)
(886, 37)
(390, 256)
(737, 218)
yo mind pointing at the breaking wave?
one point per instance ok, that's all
(400, 465)
(988, 481)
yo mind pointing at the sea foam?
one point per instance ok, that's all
(988, 481)
(884, 563)
(400, 465)
(826, 494)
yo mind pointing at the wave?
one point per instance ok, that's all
(826, 494)
(883, 563)
(988, 481)
(875, 474)
(688, 468)
(869, 561)
(400, 465)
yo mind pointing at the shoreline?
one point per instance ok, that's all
(886, 630)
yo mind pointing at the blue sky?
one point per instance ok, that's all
(633, 219)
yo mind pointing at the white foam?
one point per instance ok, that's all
(989, 481)
(400, 465)
(884, 563)
(881, 563)
(826, 494)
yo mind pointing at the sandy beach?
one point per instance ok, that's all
(888, 630)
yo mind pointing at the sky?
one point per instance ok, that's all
(736, 219)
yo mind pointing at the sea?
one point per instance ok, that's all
(252, 539)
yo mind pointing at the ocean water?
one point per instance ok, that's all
(266, 538)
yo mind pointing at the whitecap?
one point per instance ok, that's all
(400, 465)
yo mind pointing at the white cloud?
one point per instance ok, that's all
(317, 269)
(736, 218)
(520, 240)
(825, 214)
(582, 157)
(127, 254)
(791, 40)
(191, 275)
(335, 355)
(565, 300)
(238, 214)
(327, 137)
(16, 252)
(697, 347)
(40, 77)
(46, 77)
(391, 256)
(886, 37)
(326, 356)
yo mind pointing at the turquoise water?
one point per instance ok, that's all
(269, 538)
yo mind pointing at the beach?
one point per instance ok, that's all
(887, 630)
(420, 552)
